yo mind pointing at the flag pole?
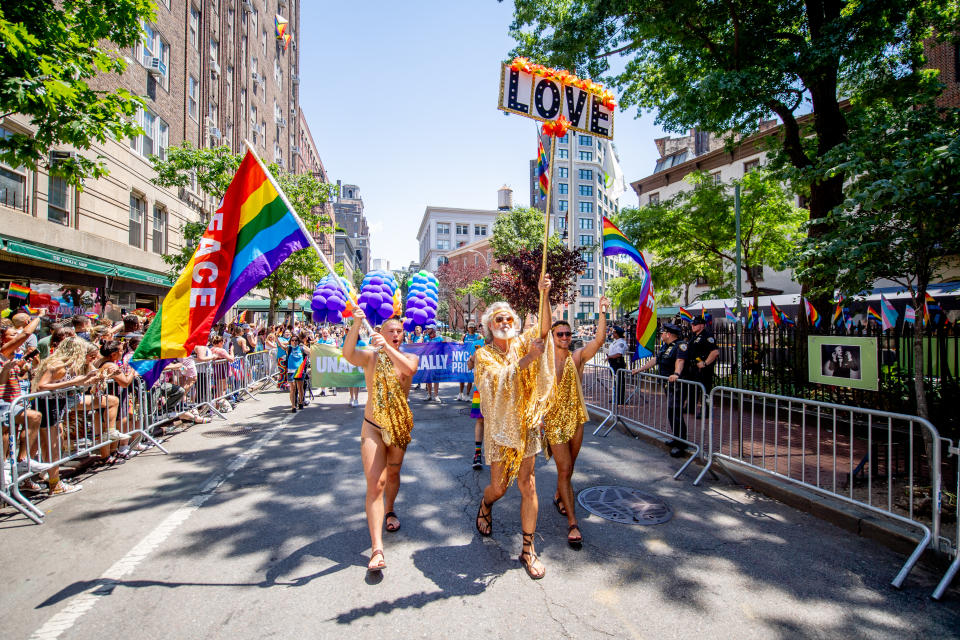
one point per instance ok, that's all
(293, 212)
(546, 215)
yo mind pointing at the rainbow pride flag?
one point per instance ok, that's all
(301, 369)
(931, 309)
(838, 316)
(248, 237)
(812, 316)
(873, 314)
(18, 291)
(543, 170)
(475, 405)
(686, 315)
(615, 243)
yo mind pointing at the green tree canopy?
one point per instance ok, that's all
(519, 228)
(694, 233)
(49, 53)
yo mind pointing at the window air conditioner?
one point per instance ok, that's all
(155, 67)
(214, 66)
(295, 79)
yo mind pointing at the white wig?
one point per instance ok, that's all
(492, 311)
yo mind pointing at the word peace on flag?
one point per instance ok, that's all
(544, 97)
(439, 362)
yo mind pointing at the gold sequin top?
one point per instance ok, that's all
(513, 400)
(568, 411)
(390, 408)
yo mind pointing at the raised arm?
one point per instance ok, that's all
(590, 349)
(405, 363)
(546, 316)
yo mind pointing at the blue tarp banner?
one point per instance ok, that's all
(441, 361)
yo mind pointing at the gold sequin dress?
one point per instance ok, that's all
(513, 400)
(390, 408)
(568, 411)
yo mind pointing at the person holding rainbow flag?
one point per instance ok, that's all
(297, 355)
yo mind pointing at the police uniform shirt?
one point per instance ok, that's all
(669, 354)
(702, 345)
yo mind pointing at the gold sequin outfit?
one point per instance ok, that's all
(513, 400)
(568, 411)
(390, 408)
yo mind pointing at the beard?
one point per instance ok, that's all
(506, 333)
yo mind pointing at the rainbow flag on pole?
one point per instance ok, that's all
(889, 320)
(543, 170)
(812, 316)
(838, 312)
(18, 291)
(873, 314)
(615, 243)
(248, 237)
(685, 315)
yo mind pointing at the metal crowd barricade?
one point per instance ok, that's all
(951, 547)
(260, 369)
(597, 385)
(653, 404)
(866, 457)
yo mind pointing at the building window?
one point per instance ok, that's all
(586, 207)
(750, 165)
(586, 189)
(716, 177)
(586, 223)
(443, 228)
(480, 230)
(13, 184)
(585, 141)
(463, 229)
(563, 154)
(152, 46)
(565, 139)
(586, 241)
(159, 229)
(194, 26)
(587, 256)
(562, 205)
(57, 201)
(443, 244)
(192, 90)
(701, 281)
(563, 172)
(563, 188)
(586, 290)
(586, 156)
(155, 137)
(587, 274)
(138, 210)
(263, 40)
(586, 308)
(757, 272)
(561, 222)
(653, 198)
(586, 174)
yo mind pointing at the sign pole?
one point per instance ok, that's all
(546, 215)
(293, 212)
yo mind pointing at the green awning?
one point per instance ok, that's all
(91, 265)
(257, 304)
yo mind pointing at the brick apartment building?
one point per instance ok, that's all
(354, 241)
(211, 73)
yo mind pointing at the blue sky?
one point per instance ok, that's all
(401, 99)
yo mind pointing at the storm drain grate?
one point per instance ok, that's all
(229, 433)
(624, 505)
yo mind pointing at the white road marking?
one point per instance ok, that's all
(85, 601)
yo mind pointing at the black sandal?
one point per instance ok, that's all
(487, 518)
(533, 557)
(574, 542)
(561, 509)
(387, 526)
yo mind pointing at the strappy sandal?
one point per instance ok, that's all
(387, 526)
(487, 518)
(577, 541)
(533, 557)
(380, 566)
(562, 510)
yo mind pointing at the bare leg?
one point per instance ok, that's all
(373, 454)
(394, 462)
(493, 492)
(478, 430)
(527, 483)
(293, 394)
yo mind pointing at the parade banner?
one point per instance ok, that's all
(328, 368)
(441, 361)
(547, 94)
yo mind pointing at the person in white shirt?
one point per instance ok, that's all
(617, 357)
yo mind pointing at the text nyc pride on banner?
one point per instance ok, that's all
(439, 362)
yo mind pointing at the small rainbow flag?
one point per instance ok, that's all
(686, 315)
(930, 309)
(280, 24)
(889, 314)
(301, 369)
(543, 170)
(615, 243)
(838, 312)
(751, 316)
(18, 291)
(775, 313)
(475, 405)
(92, 315)
(812, 316)
(873, 314)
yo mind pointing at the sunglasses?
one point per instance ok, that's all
(504, 319)
(562, 334)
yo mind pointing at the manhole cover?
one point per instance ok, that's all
(228, 433)
(624, 505)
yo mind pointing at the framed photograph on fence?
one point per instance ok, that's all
(843, 361)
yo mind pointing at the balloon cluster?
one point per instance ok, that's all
(423, 296)
(331, 299)
(379, 296)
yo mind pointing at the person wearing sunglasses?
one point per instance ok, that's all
(515, 376)
(563, 424)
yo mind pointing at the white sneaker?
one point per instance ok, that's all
(460, 397)
(31, 465)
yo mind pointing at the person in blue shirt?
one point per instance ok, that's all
(296, 371)
(472, 340)
(433, 388)
(325, 338)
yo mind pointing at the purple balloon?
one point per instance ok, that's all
(316, 316)
(431, 304)
(334, 317)
(416, 303)
(408, 324)
(375, 300)
(331, 304)
(386, 310)
(420, 316)
(340, 302)
(376, 280)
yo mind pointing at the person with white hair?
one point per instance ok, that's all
(515, 375)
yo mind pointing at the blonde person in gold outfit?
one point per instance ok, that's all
(387, 422)
(563, 424)
(514, 374)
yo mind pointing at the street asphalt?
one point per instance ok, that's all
(254, 528)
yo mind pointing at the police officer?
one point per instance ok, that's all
(670, 361)
(617, 358)
(701, 354)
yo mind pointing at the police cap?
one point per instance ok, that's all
(672, 328)
(698, 320)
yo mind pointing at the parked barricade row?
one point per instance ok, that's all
(884, 462)
(597, 386)
(950, 503)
